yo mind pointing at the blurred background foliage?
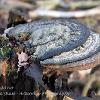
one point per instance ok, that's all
(86, 11)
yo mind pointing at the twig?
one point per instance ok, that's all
(64, 14)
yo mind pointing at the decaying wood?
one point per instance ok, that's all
(3, 69)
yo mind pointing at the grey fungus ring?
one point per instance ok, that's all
(61, 44)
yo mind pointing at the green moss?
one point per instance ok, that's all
(5, 51)
(10, 71)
